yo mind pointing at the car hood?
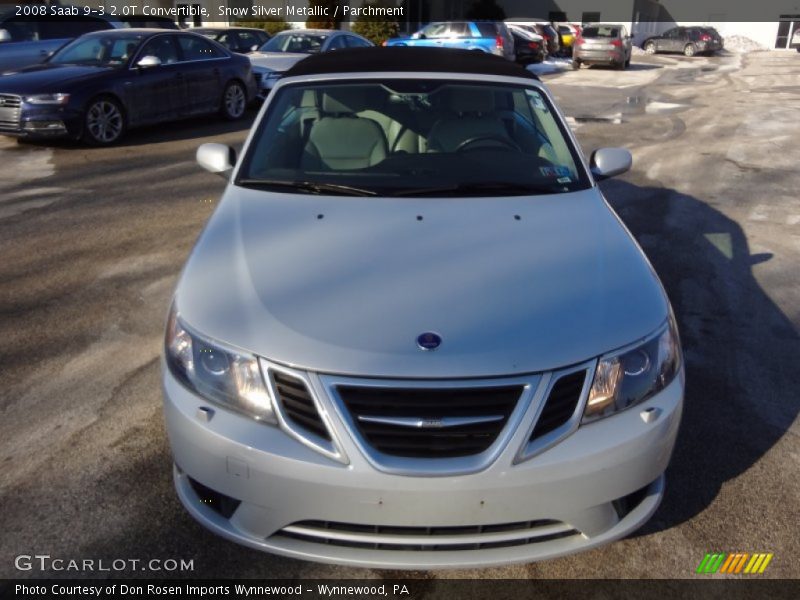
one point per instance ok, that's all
(345, 285)
(46, 78)
(276, 61)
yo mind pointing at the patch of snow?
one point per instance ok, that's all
(740, 43)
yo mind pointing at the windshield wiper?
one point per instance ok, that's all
(472, 189)
(311, 187)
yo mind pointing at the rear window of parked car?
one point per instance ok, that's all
(601, 32)
(487, 29)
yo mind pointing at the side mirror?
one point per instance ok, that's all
(254, 47)
(148, 62)
(4, 35)
(217, 158)
(418, 36)
(608, 162)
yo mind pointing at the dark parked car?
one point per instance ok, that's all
(489, 36)
(149, 22)
(529, 47)
(688, 40)
(543, 28)
(28, 40)
(602, 44)
(105, 82)
(243, 40)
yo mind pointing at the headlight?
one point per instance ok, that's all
(625, 379)
(227, 378)
(47, 99)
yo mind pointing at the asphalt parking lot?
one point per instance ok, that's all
(92, 242)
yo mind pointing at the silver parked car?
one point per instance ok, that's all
(414, 334)
(602, 44)
(287, 48)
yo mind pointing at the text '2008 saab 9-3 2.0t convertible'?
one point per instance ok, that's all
(414, 334)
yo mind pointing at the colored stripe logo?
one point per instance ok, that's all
(735, 563)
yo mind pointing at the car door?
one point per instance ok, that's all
(430, 36)
(156, 93)
(200, 65)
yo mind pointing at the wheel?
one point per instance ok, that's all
(103, 122)
(689, 50)
(576, 64)
(234, 101)
(627, 63)
(650, 48)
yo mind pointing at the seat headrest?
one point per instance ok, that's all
(472, 100)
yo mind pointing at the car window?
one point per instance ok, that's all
(435, 30)
(487, 30)
(337, 43)
(601, 31)
(163, 48)
(196, 48)
(293, 42)
(459, 30)
(247, 40)
(432, 135)
(22, 30)
(355, 42)
(99, 50)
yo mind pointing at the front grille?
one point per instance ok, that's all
(9, 112)
(298, 405)
(561, 404)
(446, 538)
(430, 423)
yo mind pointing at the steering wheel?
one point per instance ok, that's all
(497, 139)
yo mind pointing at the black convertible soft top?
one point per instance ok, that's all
(405, 59)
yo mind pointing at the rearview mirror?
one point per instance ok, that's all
(217, 158)
(147, 62)
(4, 35)
(608, 162)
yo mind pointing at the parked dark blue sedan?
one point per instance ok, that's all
(105, 82)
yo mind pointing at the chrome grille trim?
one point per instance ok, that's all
(433, 467)
(10, 112)
(551, 438)
(432, 538)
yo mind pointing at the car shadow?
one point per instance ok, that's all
(187, 129)
(740, 349)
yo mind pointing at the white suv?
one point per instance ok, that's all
(414, 334)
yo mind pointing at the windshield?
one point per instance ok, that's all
(295, 42)
(99, 50)
(412, 137)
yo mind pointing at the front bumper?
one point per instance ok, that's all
(31, 121)
(594, 486)
(265, 83)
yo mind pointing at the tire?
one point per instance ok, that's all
(103, 121)
(234, 101)
(627, 63)
(689, 50)
(576, 65)
(650, 48)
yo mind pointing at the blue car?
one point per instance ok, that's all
(488, 36)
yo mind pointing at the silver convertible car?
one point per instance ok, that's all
(413, 334)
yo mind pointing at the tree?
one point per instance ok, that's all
(324, 21)
(485, 10)
(377, 29)
(271, 25)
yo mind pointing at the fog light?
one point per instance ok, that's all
(44, 125)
